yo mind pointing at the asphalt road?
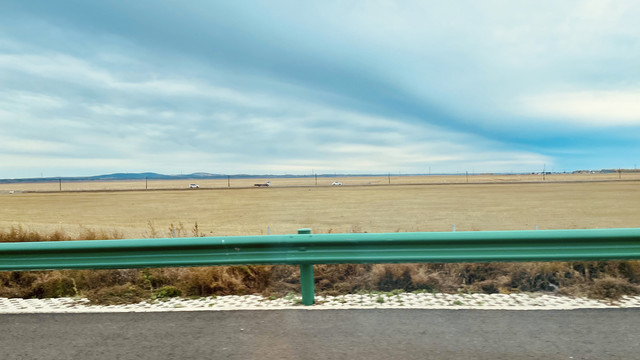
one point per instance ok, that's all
(325, 334)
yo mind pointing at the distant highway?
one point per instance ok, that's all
(204, 188)
(325, 334)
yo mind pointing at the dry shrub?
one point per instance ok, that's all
(157, 278)
(540, 276)
(387, 277)
(338, 279)
(283, 280)
(223, 280)
(612, 288)
(17, 283)
(342, 279)
(89, 234)
(438, 277)
(629, 270)
(19, 234)
(53, 285)
(96, 279)
(473, 273)
(119, 294)
(37, 284)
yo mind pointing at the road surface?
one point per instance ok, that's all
(325, 334)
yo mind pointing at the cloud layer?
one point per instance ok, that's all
(330, 87)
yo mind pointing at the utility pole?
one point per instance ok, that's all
(146, 183)
(228, 181)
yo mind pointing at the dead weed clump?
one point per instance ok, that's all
(19, 234)
(339, 279)
(37, 284)
(119, 294)
(110, 286)
(612, 288)
(222, 280)
(113, 286)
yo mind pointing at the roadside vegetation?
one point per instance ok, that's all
(595, 279)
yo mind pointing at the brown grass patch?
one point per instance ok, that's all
(123, 286)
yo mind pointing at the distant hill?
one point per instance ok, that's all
(119, 176)
(151, 175)
(154, 176)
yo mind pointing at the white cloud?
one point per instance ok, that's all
(591, 108)
(24, 101)
(83, 74)
(32, 146)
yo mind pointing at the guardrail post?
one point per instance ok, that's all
(306, 278)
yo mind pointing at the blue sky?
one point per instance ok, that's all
(92, 87)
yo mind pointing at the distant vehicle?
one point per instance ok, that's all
(335, 183)
(194, 186)
(268, 183)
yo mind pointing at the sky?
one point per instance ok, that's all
(303, 87)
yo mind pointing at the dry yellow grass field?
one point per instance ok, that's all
(486, 203)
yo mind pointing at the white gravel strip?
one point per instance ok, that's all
(526, 301)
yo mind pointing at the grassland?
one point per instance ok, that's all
(283, 209)
(577, 201)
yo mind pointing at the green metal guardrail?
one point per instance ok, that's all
(306, 249)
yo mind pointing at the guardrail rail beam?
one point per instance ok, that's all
(306, 249)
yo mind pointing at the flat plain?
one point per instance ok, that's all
(371, 204)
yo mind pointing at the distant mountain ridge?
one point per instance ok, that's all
(205, 175)
(153, 176)
(118, 176)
